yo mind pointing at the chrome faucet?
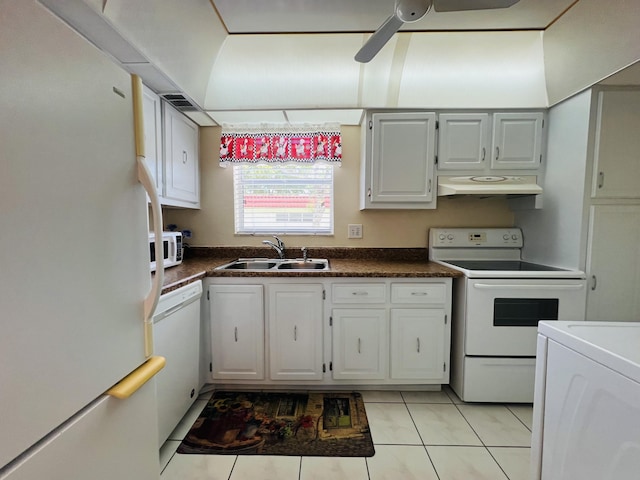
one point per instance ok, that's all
(278, 246)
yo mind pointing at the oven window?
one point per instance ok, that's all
(523, 312)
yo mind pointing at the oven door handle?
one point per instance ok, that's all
(493, 286)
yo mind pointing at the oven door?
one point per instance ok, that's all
(502, 315)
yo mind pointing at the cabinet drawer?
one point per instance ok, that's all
(359, 293)
(418, 293)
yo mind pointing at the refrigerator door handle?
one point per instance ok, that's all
(136, 379)
(145, 178)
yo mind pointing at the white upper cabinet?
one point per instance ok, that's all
(517, 140)
(182, 179)
(617, 145)
(398, 164)
(463, 141)
(171, 152)
(153, 136)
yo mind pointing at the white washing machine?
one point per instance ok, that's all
(586, 421)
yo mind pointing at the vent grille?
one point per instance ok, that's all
(180, 102)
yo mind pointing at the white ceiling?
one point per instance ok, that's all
(280, 16)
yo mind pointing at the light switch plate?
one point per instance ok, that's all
(354, 230)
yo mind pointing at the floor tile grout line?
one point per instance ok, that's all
(421, 439)
(519, 419)
(233, 467)
(470, 426)
(498, 463)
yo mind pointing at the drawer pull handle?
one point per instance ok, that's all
(361, 293)
(359, 345)
(235, 333)
(418, 346)
(295, 333)
(419, 294)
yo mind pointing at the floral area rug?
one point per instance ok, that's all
(332, 424)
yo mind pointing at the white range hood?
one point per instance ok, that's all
(488, 185)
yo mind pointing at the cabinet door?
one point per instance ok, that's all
(517, 140)
(418, 344)
(181, 157)
(359, 343)
(463, 141)
(295, 331)
(237, 331)
(613, 263)
(616, 156)
(153, 137)
(402, 158)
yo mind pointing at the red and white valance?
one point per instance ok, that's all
(280, 144)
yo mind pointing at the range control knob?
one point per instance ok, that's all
(441, 236)
(505, 236)
(514, 237)
(450, 236)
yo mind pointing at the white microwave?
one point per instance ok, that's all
(171, 248)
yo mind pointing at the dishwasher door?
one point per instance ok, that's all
(176, 336)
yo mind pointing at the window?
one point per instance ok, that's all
(274, 198)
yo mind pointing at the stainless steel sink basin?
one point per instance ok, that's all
(250, 265)
(317, 264)
(277, 265)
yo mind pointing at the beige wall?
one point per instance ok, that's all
(213, 223)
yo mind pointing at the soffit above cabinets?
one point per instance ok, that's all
(295, 16)
(341, 116)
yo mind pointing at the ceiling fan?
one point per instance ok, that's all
(408, 11)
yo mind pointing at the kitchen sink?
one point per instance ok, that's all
(249, 265)
(316, 264)
(277, 265)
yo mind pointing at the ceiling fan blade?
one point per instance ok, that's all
(379, 38)
(460, 5)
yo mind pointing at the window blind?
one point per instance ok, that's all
(294, 198)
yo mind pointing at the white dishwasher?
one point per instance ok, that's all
(176, 336)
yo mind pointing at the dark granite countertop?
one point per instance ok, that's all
(201, 262)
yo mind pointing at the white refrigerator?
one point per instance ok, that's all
(74, 260)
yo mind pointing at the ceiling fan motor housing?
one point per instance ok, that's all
(412, 10)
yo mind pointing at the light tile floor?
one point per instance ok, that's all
(417, 435)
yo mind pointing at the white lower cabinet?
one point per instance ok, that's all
(237, 332)
(360, 344)
(418, 344)
(329, 331)
(295, 331)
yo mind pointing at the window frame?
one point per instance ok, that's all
(285, 227)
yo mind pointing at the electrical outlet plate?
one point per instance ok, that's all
(354, 230)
